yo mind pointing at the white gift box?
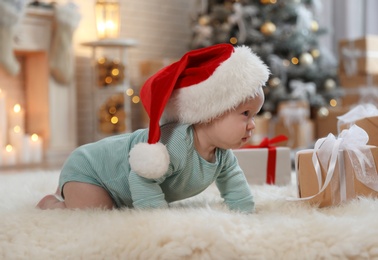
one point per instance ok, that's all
(254, 163)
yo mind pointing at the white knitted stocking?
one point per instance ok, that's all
(11, 12)
(61, 55)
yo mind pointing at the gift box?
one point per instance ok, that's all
(293, 121)
(364, 116)
(356, 96)
(350, 98)
(358, 80)
(269, 165)
(326, 120)
(286, 108)
(359, 56)
(262, 129)
(337, 169)
(370, 125)
(300, 134)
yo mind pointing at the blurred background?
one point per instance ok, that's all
(71, 71)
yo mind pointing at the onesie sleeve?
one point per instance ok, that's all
(146, 193)
(234, 187)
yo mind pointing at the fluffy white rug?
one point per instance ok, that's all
(197, 228)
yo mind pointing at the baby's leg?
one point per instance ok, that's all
(79, 195)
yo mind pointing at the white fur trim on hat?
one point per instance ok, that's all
(150, 161)
(234, 81)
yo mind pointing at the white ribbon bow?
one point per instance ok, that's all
(290, 115)
(293, 114)
(354, 141)
(368, 95)
(302, 90)
(357, 113)
(351, 54)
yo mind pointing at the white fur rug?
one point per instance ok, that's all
(198, 228)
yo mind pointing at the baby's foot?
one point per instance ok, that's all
(51, 202)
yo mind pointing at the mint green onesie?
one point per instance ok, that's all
(105, 163)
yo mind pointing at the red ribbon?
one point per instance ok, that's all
(272, 155)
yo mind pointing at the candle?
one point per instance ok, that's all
(16, 131)
(25, 152)
(16, 117)
(8, 156)
(16, 137)
(36, 149)
(3, 120)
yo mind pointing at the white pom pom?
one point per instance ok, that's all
(149, 160)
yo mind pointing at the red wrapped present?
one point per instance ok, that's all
(265, 163)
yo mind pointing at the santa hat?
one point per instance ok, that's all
(202, 85)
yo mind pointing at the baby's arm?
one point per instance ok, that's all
(235, 189)
(236, 193)
(146, 193)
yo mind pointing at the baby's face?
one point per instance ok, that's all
(234, 129)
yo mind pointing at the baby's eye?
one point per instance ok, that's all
(246, 113)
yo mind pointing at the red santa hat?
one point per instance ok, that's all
(204, 84)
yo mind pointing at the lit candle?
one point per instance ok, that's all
(17, 130)
(36, 149)
(8, 156)
(16, 117)
(3, 120)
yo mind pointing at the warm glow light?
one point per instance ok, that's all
(107, 18)
(294, 60)
(8, 148)
(233, 40)
(315, 53)
(314, 26)
(17, 108)
(34, 137)
(108, 80)
(115, 72)
(114, 120)
(265, 2)
(17, 129)
(135, 99)
(333, 102)
(130, 92)
(112, 110)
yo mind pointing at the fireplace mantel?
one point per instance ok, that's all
(50, 106)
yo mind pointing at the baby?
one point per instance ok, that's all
(200, 108)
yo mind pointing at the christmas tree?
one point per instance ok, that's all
(285, 34)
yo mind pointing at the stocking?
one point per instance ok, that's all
(11, 12)
(61, 57)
